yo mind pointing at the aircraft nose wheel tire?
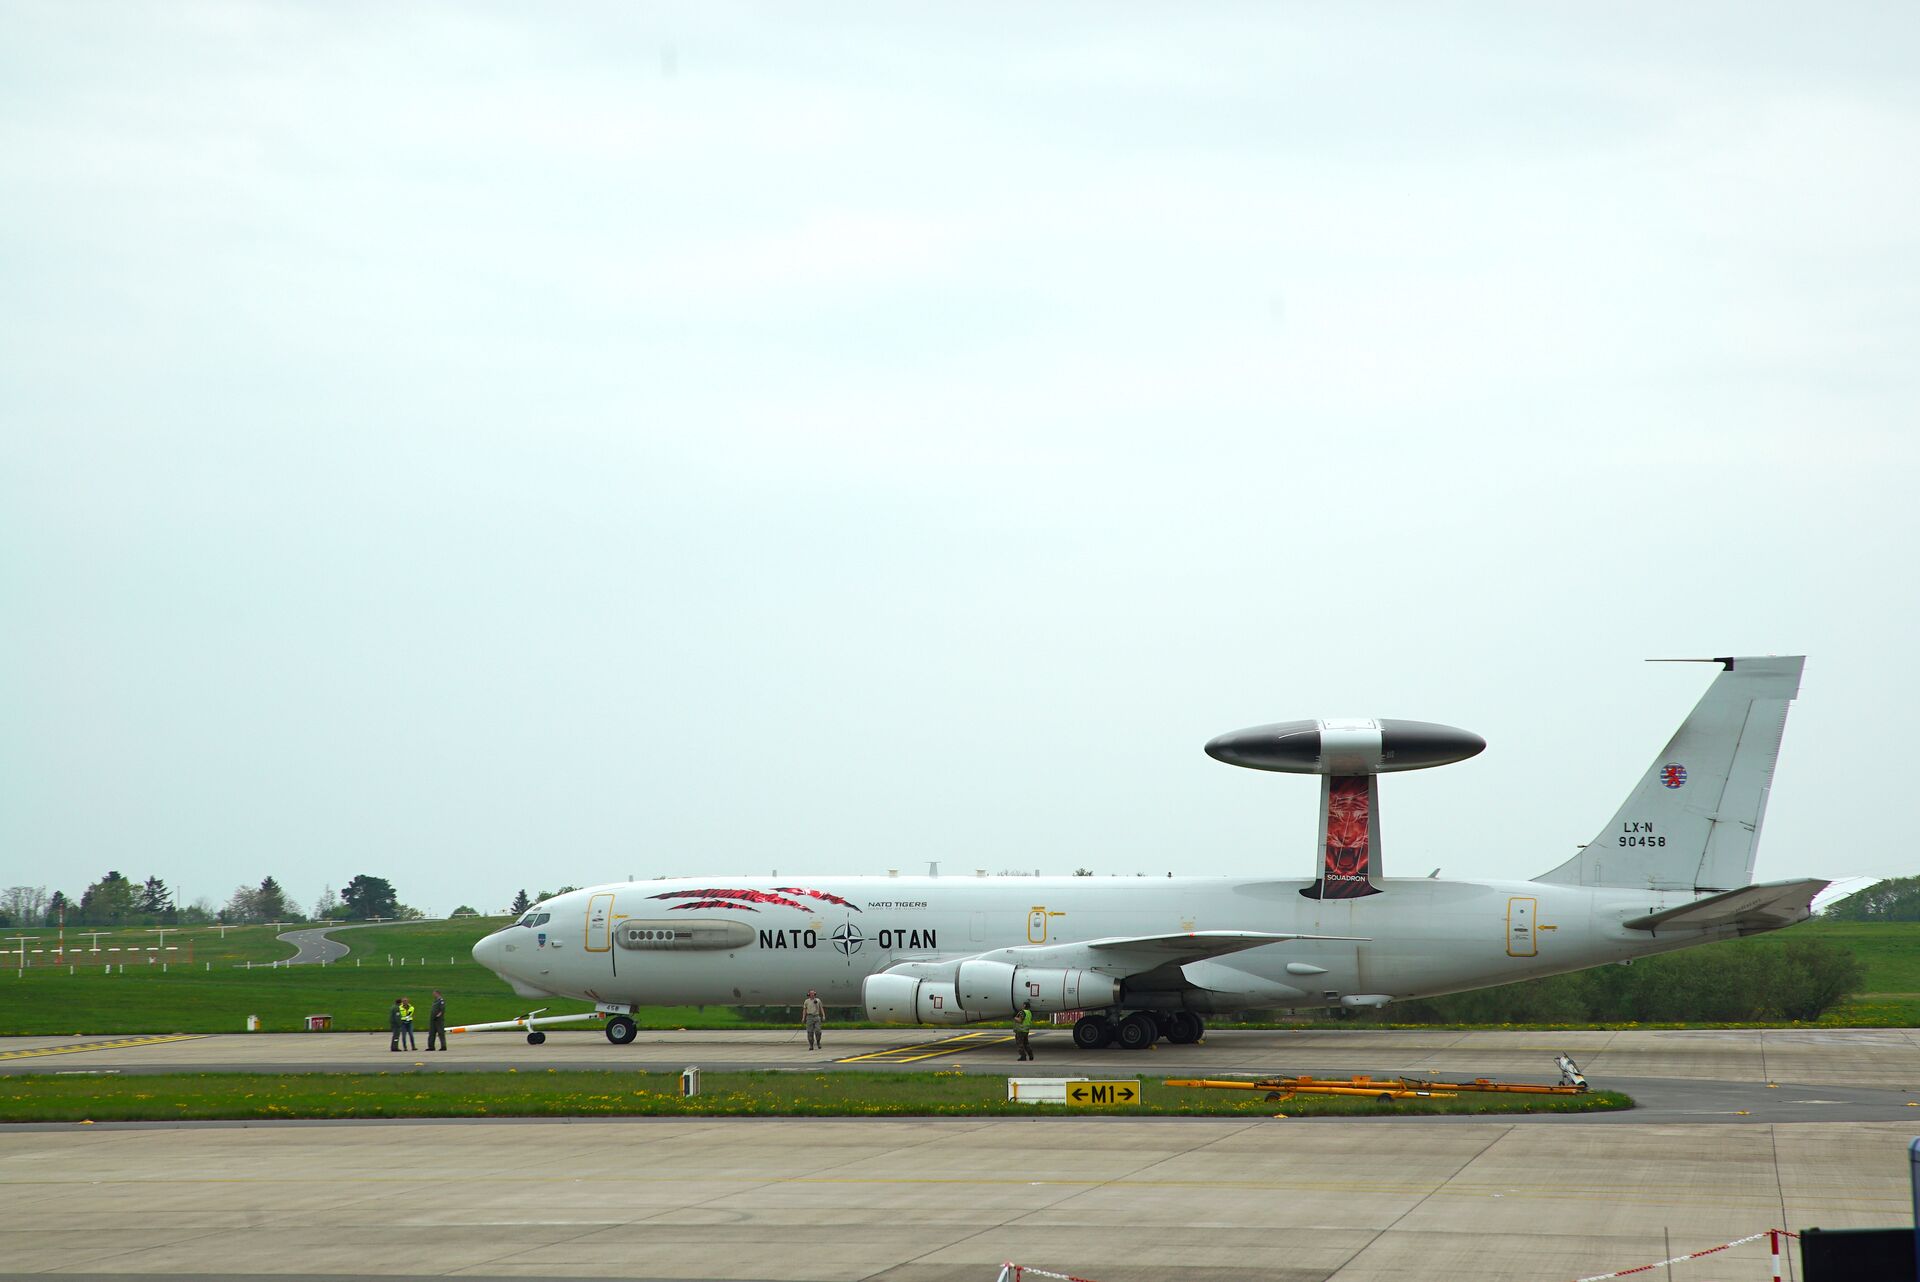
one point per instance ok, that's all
(621, 1030)
(1091, 1032)
(536, 1038)
(1138, 1031)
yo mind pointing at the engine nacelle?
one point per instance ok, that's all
(995, 990)
(903, 999)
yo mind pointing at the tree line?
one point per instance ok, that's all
(118, 900)
(523, 901)
(1743, 981)
(1895, 899)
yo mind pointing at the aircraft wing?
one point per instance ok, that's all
(1767, 906)
(1132, 954)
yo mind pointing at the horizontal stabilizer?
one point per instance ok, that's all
(1767, 906)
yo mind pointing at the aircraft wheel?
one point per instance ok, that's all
(1091, 1032)
(536, 1037)
(621, 1030)
(1137, 1031)
(1184, 1028)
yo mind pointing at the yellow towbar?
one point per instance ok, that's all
(1384, 1088)
(1282, 1087)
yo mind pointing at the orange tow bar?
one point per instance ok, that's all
(1283, 1087)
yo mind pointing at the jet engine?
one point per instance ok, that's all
(977, 990)
(998, 989)
(905, 999)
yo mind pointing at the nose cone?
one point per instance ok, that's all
(489, 951)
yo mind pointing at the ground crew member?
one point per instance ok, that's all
(1022, 1028)
(814, 1012)
(393, 1023)
(437, 1021)
(406, 1024)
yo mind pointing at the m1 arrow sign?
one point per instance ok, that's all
(1103, 1093)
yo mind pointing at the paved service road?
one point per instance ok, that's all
(1864, 1057)
(931, 1200)
(313, 946)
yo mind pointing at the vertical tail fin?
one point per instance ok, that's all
(1693, 821)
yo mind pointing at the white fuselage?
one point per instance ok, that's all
(1418, 938)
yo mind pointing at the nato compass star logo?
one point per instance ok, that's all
(1672, 775)
(847, 939)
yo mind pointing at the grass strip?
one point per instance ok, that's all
(553, 1093)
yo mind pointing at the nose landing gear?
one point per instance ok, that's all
(621, 1030)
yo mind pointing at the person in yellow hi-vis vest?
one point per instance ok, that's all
(406, 1024)
(1022, 1029)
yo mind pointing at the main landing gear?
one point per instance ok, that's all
(1137, 1030)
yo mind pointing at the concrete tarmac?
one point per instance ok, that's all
(945, 1200)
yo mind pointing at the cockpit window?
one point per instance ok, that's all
(535, 919)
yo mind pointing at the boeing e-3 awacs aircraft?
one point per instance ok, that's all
(1148, 958)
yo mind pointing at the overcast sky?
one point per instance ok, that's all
(490, 447)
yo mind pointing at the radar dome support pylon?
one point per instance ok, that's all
(1349, 755)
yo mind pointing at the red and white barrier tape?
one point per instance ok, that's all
(1011, 1272)
(1775, 1234)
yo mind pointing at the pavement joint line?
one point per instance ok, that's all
(1127, 1180)
(589, 1231)
(854, 1159)
(1779, 1184)
(118, 1043)
(1443, 1186)
(1654, 1195)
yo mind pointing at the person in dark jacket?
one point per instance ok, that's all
(393, 1024)
(813, 1013)
(437, 1021)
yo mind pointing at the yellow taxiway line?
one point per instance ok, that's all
(117, 1043)
(929, 1050)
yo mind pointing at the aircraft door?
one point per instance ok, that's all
(1520, 938)
(1037, 926)
(600, 923)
